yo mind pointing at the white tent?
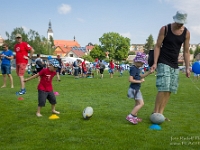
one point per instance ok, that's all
(68, 59)
(71, 60)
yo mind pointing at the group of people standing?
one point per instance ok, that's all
(24, 52)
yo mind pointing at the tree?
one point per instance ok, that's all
(197, 51)
(97, 52)
(117, 45)
(149, 44)
(191, 51)
(88, 58)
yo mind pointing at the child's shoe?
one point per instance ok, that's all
(132, 119)
(55, 112)
(38, 115)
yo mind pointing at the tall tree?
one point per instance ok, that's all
(116, 45)
(97, 52)
(149, 44)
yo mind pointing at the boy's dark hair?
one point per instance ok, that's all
(38, 55)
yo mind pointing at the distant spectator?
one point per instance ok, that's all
(111, 66)
(102, 67)
(59, 70)
(6, 57)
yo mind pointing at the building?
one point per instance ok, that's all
(137, 47)
(68, 48)
(49, 31)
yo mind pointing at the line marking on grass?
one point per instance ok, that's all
(195, 85)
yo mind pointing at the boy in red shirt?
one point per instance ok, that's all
(45, 89)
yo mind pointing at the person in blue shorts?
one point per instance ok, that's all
(6, 57)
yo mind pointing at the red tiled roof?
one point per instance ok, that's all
(78, 53)
(67, 43)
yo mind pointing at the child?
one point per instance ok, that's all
(134, 89)
(45, 89)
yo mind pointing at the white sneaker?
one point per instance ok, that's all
(55, 112)
(38, 115)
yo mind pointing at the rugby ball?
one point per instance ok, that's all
(157, 118)
(87, 112)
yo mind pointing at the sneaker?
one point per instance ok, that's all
(38, 115)
(21, 92)
(55, 112)
(132, 120)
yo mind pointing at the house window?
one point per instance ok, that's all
(71, 55)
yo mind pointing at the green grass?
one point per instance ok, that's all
(20, 129)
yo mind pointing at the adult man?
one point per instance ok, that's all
(21, 49)
(84, 68)
(76, 68)
(102, 67)
(39, 63)
(59, 70)
(6, 57)
(166, 54)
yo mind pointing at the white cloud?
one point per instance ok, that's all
(64, 9)
(80, 20)
(128, 34)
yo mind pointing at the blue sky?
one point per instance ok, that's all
(88, 20)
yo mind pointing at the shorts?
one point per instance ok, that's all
(167, 78)
(84, 71)
(59, 70)
(76, 72)
(101, 71)
(6, 69)
(135, 94)
(20, 69)
(42, 96)
(111, 71)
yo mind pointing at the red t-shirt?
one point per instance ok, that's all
(46, 77)
(83, 64)
(112, 66)
(21, 50)
(97, 66)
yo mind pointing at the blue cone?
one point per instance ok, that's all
(155, 127)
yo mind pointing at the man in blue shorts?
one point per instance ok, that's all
(166, 54)
(6, 57)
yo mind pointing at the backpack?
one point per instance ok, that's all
(151, 52)
(39, 63)
(74, 64)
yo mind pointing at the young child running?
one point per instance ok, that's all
(45, 89)
(134, 92)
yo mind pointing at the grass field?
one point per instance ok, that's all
(20, 129)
